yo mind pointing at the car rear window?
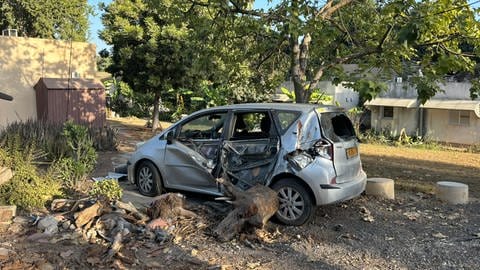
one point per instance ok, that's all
(337, 127)
(286, 119)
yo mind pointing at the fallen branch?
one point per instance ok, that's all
(129, 207)
(170, 205)
(86, 216)
(252, 209)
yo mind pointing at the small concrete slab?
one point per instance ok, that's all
(452, 192)
(7, 213)
(382, 187)
(5, 175)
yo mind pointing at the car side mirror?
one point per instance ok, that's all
(169, 136)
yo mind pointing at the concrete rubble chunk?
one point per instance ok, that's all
(7, 213)
(48, 225)
(5, 175)
(452, 192)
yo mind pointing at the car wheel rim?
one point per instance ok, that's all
(291, 203)
(145, 179)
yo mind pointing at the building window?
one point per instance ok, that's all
(387, 112)
(459, 118)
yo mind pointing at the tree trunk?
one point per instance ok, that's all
(252, 209)
(156, 111)
(299, 64)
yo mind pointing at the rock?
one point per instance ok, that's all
(66, 254)
(48, 225)
(21, 220)
(38, 236)
(5, 175)
(44, 265)
(5, 253)
(66, 224)
(7, 212)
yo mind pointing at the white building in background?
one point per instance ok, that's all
(450, 116)
(344, 97)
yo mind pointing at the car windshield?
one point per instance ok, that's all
(337, 127)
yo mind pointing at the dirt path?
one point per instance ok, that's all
(419, 169)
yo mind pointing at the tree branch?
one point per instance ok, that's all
(456, 53)
(329, 8)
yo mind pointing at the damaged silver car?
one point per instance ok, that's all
(307, 153)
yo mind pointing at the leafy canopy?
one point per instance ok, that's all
(57, 19)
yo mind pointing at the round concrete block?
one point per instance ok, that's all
(452, 192)
(382, 187)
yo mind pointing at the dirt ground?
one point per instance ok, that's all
(414, 231)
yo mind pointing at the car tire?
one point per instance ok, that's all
(296, 204)
(148, 179)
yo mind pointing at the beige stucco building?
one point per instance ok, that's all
(450, 116)
(23, 61)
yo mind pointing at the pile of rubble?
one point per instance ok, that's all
(112, 224)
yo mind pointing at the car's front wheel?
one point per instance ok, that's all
(295, 203)
(148, 179)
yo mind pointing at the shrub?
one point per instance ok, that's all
(68, 171)
(29, 188)
(108, 189)
(48, 137)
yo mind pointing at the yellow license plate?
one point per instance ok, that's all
(352, 152)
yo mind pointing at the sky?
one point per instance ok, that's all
(96, 23)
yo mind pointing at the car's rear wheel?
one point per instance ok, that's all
(148, 179)
(296, 205)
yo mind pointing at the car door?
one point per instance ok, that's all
(193, 154)
(251, 151)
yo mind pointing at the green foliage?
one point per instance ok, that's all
(475, 89)
(367, 89)
(386, 137)
(425, 88)
(80, 149)
(29, 188)
(48, 137)
(108, 189)
(309, 40)
(69, 172)
(317, 96)
(57, 19)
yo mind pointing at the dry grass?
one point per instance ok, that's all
(420, 169)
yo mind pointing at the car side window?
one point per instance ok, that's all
(206, 127)
(252, 125)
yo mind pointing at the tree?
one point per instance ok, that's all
(182, 51)
(150, 46)
(398, 36)
(57, 19)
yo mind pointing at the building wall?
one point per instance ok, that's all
(345, 97)
(439, 128)
(23, 61)
(403, 118)
(452, 90)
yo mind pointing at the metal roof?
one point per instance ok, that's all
(456, 104)
(74, 83)
(393, 102)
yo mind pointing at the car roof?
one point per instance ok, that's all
(304, 107)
